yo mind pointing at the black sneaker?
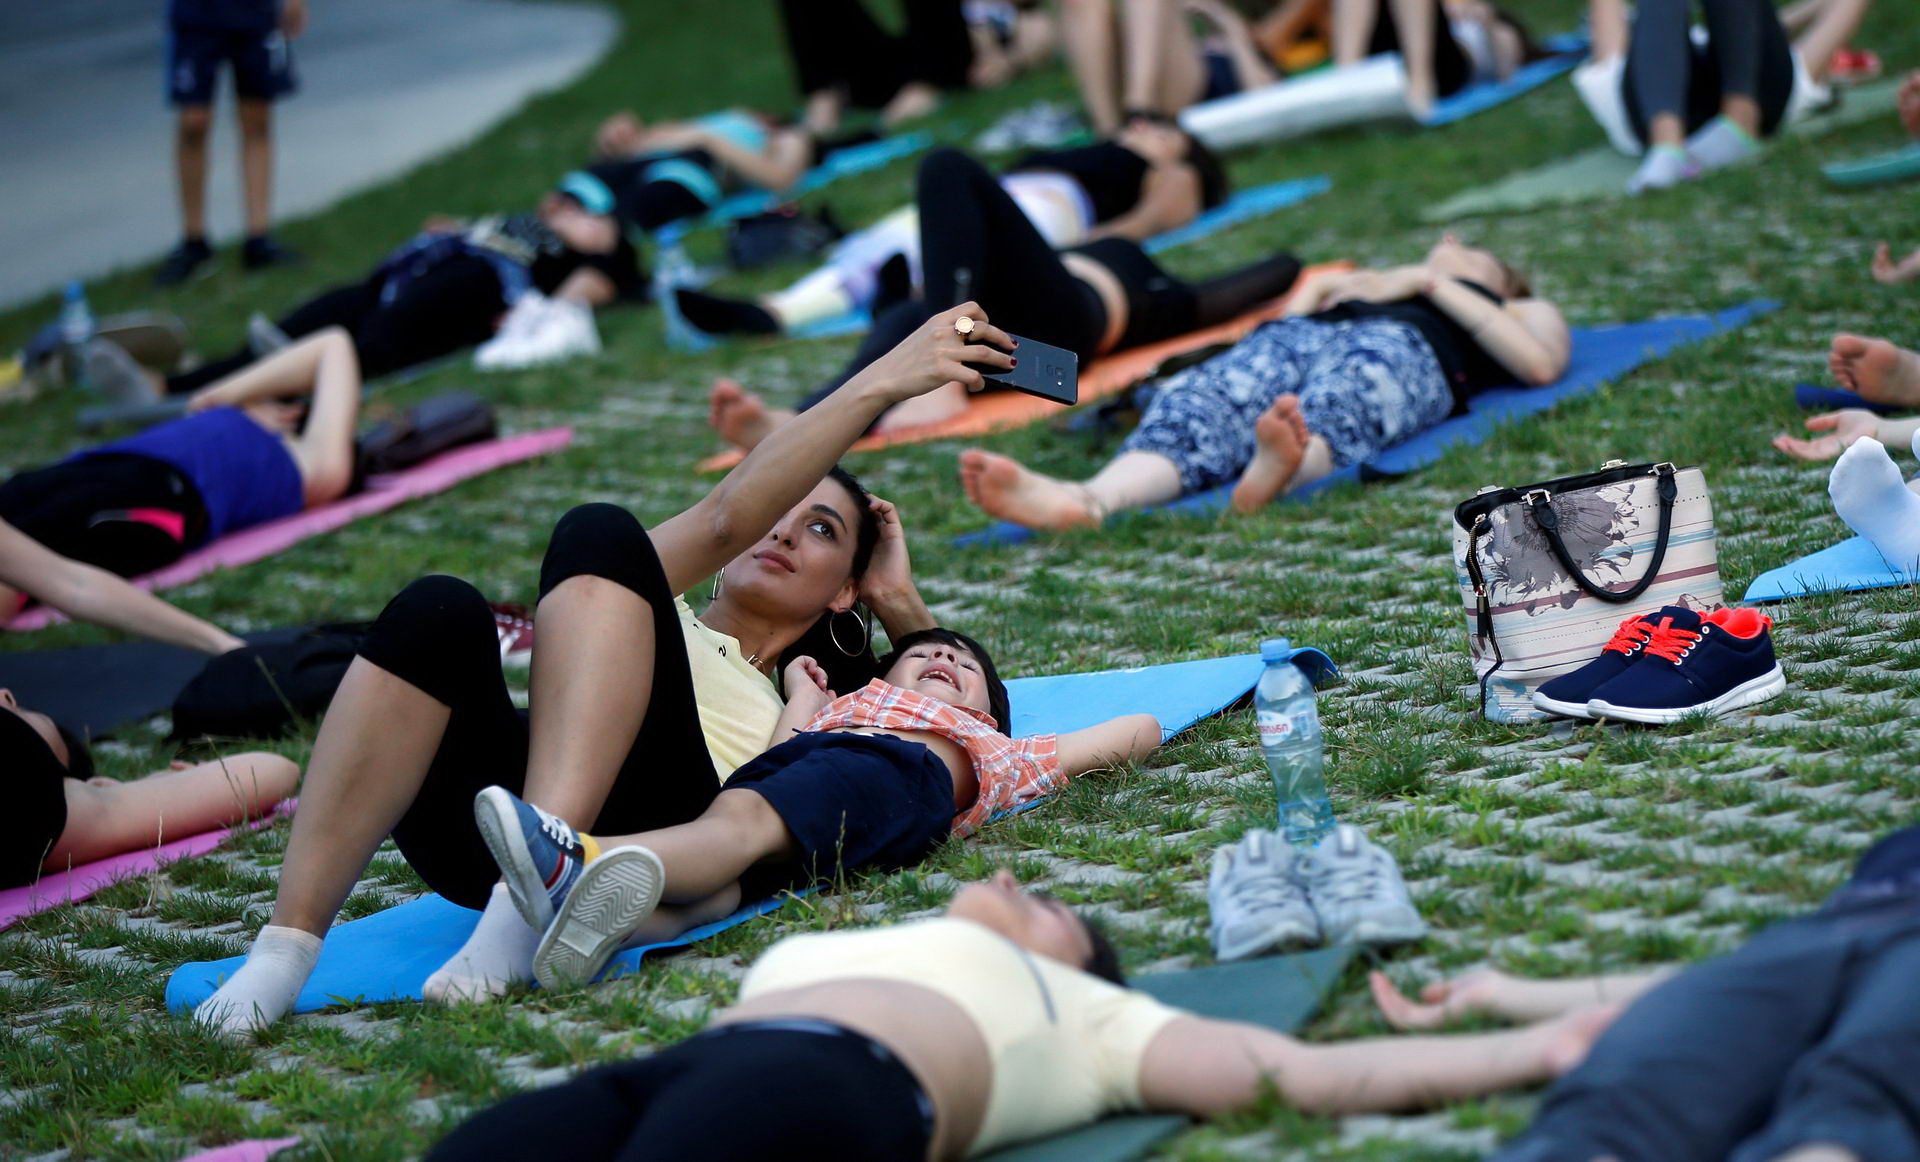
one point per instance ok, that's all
(182, 262)
(262, 251)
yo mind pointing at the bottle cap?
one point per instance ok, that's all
(1275, 649)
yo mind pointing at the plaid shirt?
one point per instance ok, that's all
(1011, 772)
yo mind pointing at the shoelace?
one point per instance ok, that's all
(557, 829)
(1265, 890)
(1349, 883)
(1631, 635)
(1670, 642)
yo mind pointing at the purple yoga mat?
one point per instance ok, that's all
(251, 1150)
(382, 493)
(65, 887)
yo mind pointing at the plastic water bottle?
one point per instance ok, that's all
(1290, 740)
(76, 327)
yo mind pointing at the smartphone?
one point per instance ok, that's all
(1044, 370)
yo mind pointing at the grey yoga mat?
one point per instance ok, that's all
(1601, 173)
(1280, 992)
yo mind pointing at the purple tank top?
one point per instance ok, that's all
(245, 475)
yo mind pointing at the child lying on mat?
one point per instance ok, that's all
(874, 778)
(59, 815)
(1365, 360)
(1005, 1020)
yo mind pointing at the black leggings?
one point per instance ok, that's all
(1747, 55)
(835, 44)
(438, 635)
(454, 305)
(977, 245)
(739, 1093)
(648, 203)
(1452, 70)
(1808, 1033)
(125, 513)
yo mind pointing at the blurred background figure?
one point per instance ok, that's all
(254, 38)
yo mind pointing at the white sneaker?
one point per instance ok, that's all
(539, 330)
(264, 336)
(1357, 891)
(613, 896)
(1258, 898)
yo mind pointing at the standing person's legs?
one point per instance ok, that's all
(262, 73)
(193, 69)
(194, 125)
(1859, 1088)
(1092, 36)
(256, 163)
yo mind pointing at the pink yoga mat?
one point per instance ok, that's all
(75, 884)
(252, 1150)
(382, 493)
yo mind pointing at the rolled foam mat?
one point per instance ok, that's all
(1899, 165)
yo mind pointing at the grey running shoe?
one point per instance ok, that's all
(264, 336)
(114, 374)
(1258, 898)
(1357, 891)
(613, 897)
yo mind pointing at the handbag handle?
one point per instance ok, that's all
(1548, 522)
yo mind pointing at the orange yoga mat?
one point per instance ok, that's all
(1001, 411)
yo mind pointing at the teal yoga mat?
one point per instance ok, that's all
(1896, 166)
(1852, 565)
(1601, 173)
(388, 956)
(1279, 992)
(841, 163)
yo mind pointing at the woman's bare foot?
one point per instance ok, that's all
(1280, 442)
(1005, 489)
(742, 418)
(940, 404)
(1877, 369)
(913, 101)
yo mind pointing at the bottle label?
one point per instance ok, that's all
(1274, 726)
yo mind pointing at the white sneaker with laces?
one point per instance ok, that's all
(1357, 891)
(539, 330)
(1258, 898)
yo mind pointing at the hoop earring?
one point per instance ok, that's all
(719, 579)
(866, 632)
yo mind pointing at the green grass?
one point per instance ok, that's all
(1547, 849)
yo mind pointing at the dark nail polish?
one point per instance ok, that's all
(1016, 363)
(1016, 342)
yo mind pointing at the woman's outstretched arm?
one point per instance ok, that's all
(1492, 993)
(795, 457)
(87, 593)
(1206, 1067)
(108, 817)
(1117, 740)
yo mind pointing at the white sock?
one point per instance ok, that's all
(1721, 143)
(264, 988)
(1663, 166)
(1871, 496)
(494, 958)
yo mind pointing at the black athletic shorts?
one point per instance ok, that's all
(126, 513)
(853, 800)
(262, 64)
(35, 788)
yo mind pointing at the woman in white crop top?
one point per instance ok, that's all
(639, 709)
(952, 1037)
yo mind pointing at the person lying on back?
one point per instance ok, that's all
(874, 778)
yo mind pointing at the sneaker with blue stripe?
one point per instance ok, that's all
(540, 855)
(1695, 665)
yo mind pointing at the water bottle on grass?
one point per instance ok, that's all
(76, 327)
(1290, 740)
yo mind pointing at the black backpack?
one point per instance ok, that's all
(422, 431)
(259, 691)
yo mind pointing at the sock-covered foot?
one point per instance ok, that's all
(540, 854)
(742, 418)
(723, 316)
(1663, 166)
(1721, 143)
(1871, 496)
(1004, 489)
(1280, 443)
(264, 988)
(497, 956)
(1878, 370)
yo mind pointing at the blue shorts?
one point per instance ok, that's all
(262, 64)
(853, 800)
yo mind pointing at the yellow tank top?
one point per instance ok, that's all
(738, 704)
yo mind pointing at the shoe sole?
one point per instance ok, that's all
(1368, 934)
(615, 893)
(1564, 709)
(499, 822)
(1768, 685)
(1281, 943)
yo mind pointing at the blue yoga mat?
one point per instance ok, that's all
(1245, 206)
(1600, 355)
(1570, 50)
(389, 955)
(1849, 566)
(840, 163)
(1814, 397)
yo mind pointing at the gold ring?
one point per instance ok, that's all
(963, 326)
